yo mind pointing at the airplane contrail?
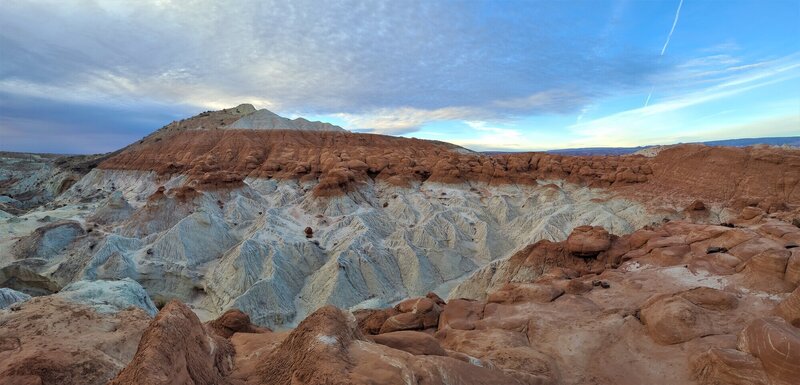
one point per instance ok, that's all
(674, 23)
(666, 43)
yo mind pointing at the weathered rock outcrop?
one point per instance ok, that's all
(789, 308)
(588, 241)
(678, 294)
(586, 250)
(629, 315)
(177, 349)
(687, 315)
(9, 297)
(109, 296)
(246, 248)
(326, 348)
(777, 345)
(234, 321)
(48, 241)
(48, 340)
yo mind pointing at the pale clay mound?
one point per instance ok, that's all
(246, 248)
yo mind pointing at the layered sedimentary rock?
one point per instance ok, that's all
(777, 345)
(247, 247)
(339, 161)
(109, 296)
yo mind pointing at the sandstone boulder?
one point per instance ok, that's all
(370, 321)
(588, 241)
(674, 319)
(728, 366)
(777, 345)
(520, 292)
(48, 340)
(234, 321)
(403, 321)
(461, 314)
(416, 343)
(789, 308)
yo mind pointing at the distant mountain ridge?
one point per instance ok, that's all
(793, 141)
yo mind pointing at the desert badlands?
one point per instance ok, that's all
(241, 247)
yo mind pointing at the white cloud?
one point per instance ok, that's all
(348, 57)
(403, 120)
(553, 100)
(642, 125)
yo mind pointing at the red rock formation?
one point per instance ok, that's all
(234, 321)
(728, 366)
(47, 340)
(370, 321)
(777, 345)
(416, 343)
(326, 348)
(177, 349)
(314, 353)
(685, 316)
(760, 175)
(588, 241)
(789, 308)
(522, 292)
(340, 161)
(461, 314)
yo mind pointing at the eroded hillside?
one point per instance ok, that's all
(546, 262)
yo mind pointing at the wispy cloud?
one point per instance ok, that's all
(405, 120)
(492, 137)
(666, 44)
(633, 126)
(339, 57)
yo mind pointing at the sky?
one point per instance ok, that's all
(90, 76)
